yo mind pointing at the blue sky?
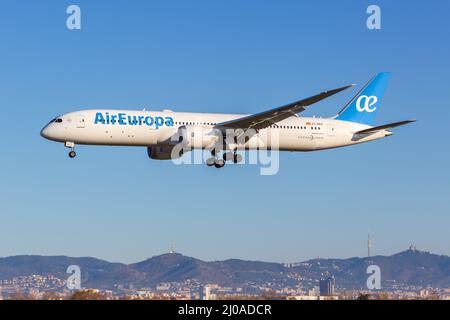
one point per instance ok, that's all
(222, 56)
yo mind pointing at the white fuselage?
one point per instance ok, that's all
(155, 128)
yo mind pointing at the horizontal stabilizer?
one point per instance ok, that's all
(383, 127)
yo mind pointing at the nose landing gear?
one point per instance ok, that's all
(71, 145)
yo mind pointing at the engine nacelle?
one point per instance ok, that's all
(198, 137)
(162, 153)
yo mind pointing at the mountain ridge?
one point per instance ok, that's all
(406, 268)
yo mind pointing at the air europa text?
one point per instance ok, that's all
(124, 119)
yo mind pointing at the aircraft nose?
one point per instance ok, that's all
(53, 132)
(44, 132)
(49, 132)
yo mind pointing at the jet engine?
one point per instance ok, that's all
(163, 153)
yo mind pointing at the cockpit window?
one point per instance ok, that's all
(59, 120)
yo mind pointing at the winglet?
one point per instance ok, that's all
(334, 91)
(326, 94)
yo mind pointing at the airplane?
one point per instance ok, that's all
(161, 132)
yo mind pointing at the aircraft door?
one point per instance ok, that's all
(330, 130)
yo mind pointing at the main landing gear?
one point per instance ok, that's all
(232, 156)
(71, 145)
(214, 160)
(220, 163)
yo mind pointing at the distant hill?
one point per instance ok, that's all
(177, 268)
(174, 267)
(95, 273)
(411, 267)
(408, 268)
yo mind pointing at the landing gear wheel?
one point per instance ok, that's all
(237, 158)
(72, 154)
(227, 156)
(210, 162)
(219, 163)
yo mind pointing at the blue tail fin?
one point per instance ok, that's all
(364, 106)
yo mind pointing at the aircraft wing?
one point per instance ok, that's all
(267, 118)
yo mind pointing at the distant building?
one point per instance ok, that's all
(313, 291)
(326, 286)
(424, 293)
(312, 298)
(201, 293)
(163, 287)
(302, 298)
(208, 293)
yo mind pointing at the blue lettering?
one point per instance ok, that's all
(149, 121)
(99, 118)
(159, 121)
(169, 121)
(122, 118)
(132, 122)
